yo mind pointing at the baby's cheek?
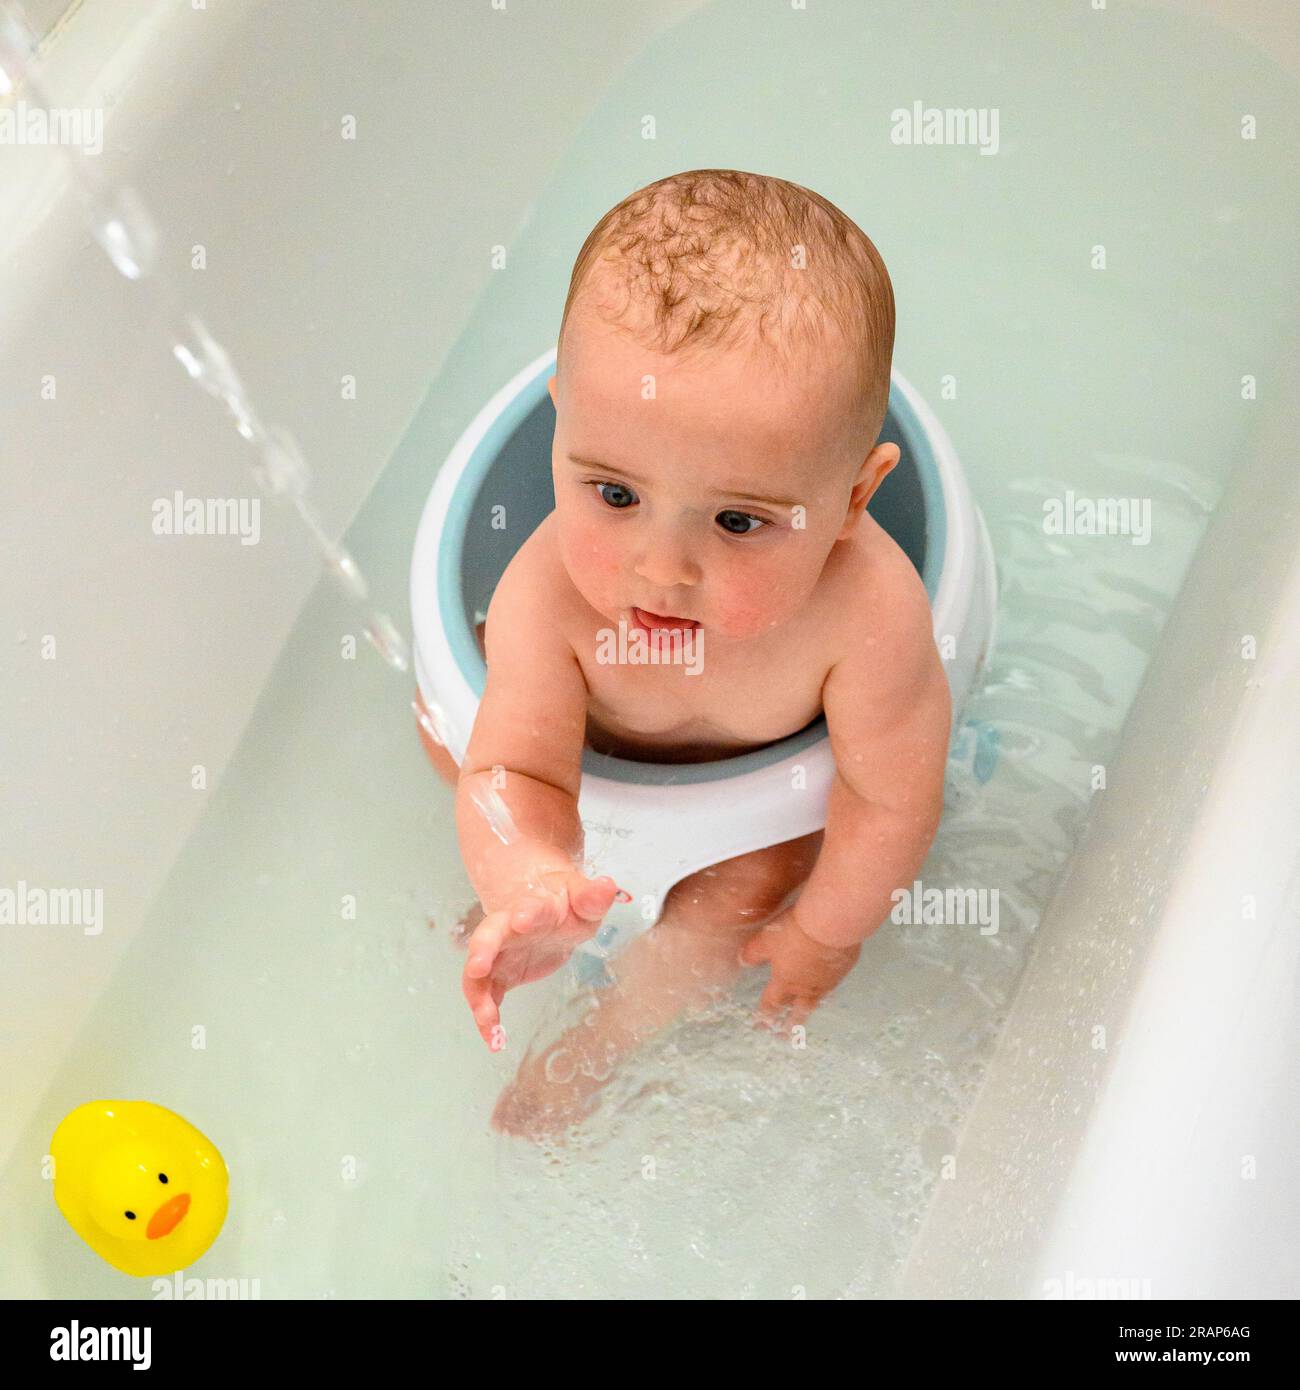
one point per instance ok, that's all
(594, 560)
(742, 610)
(748, 605)
(603, 555)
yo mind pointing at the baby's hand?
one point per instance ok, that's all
(529, 937)
(803, 970)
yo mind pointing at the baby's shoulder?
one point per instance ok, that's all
(880, 585)
(884, 675)
(883, 635)
(534, 587)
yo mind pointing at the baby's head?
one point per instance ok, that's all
(722, 379)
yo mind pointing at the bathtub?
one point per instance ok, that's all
(199, 743)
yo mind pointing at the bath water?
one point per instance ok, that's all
(295, 990)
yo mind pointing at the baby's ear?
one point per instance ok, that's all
(876, 467)
(886, 458)
(550, 386)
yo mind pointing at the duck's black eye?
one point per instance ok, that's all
(162, 1177)
(130, 1215)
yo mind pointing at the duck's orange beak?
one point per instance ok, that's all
(168, 1216)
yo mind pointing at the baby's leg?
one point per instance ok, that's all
(695, 946)
(691, 953)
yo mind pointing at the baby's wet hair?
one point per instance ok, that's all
(718, 257)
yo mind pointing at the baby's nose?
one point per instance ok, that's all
(666, 564)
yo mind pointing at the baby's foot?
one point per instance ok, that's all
(555, 1088)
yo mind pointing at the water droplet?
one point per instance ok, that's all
(346, 571)
(209, 365)
(494, 810)
(388, 642)
(282, 470)
(432, 721)
(123, 227)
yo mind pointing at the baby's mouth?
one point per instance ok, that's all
(661, 622)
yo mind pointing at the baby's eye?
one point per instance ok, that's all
(622, 496)
(737, 523)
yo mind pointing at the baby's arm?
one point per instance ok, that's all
(526, 750)
(888, 711)
(889, 714)
(527, 739)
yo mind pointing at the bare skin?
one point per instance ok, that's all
(734, 496)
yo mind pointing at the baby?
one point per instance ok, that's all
(722, 380)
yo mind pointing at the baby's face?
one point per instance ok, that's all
(714, 492)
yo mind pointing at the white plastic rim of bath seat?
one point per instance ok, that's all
(649, 825)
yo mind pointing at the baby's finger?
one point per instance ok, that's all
(533, 914)
(496, 1038)
(485, 944)
(774, 1001)
(590, 898)
(483, 1003)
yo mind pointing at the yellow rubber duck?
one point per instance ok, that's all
(141, 1186)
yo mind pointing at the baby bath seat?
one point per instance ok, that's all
(649, 825)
